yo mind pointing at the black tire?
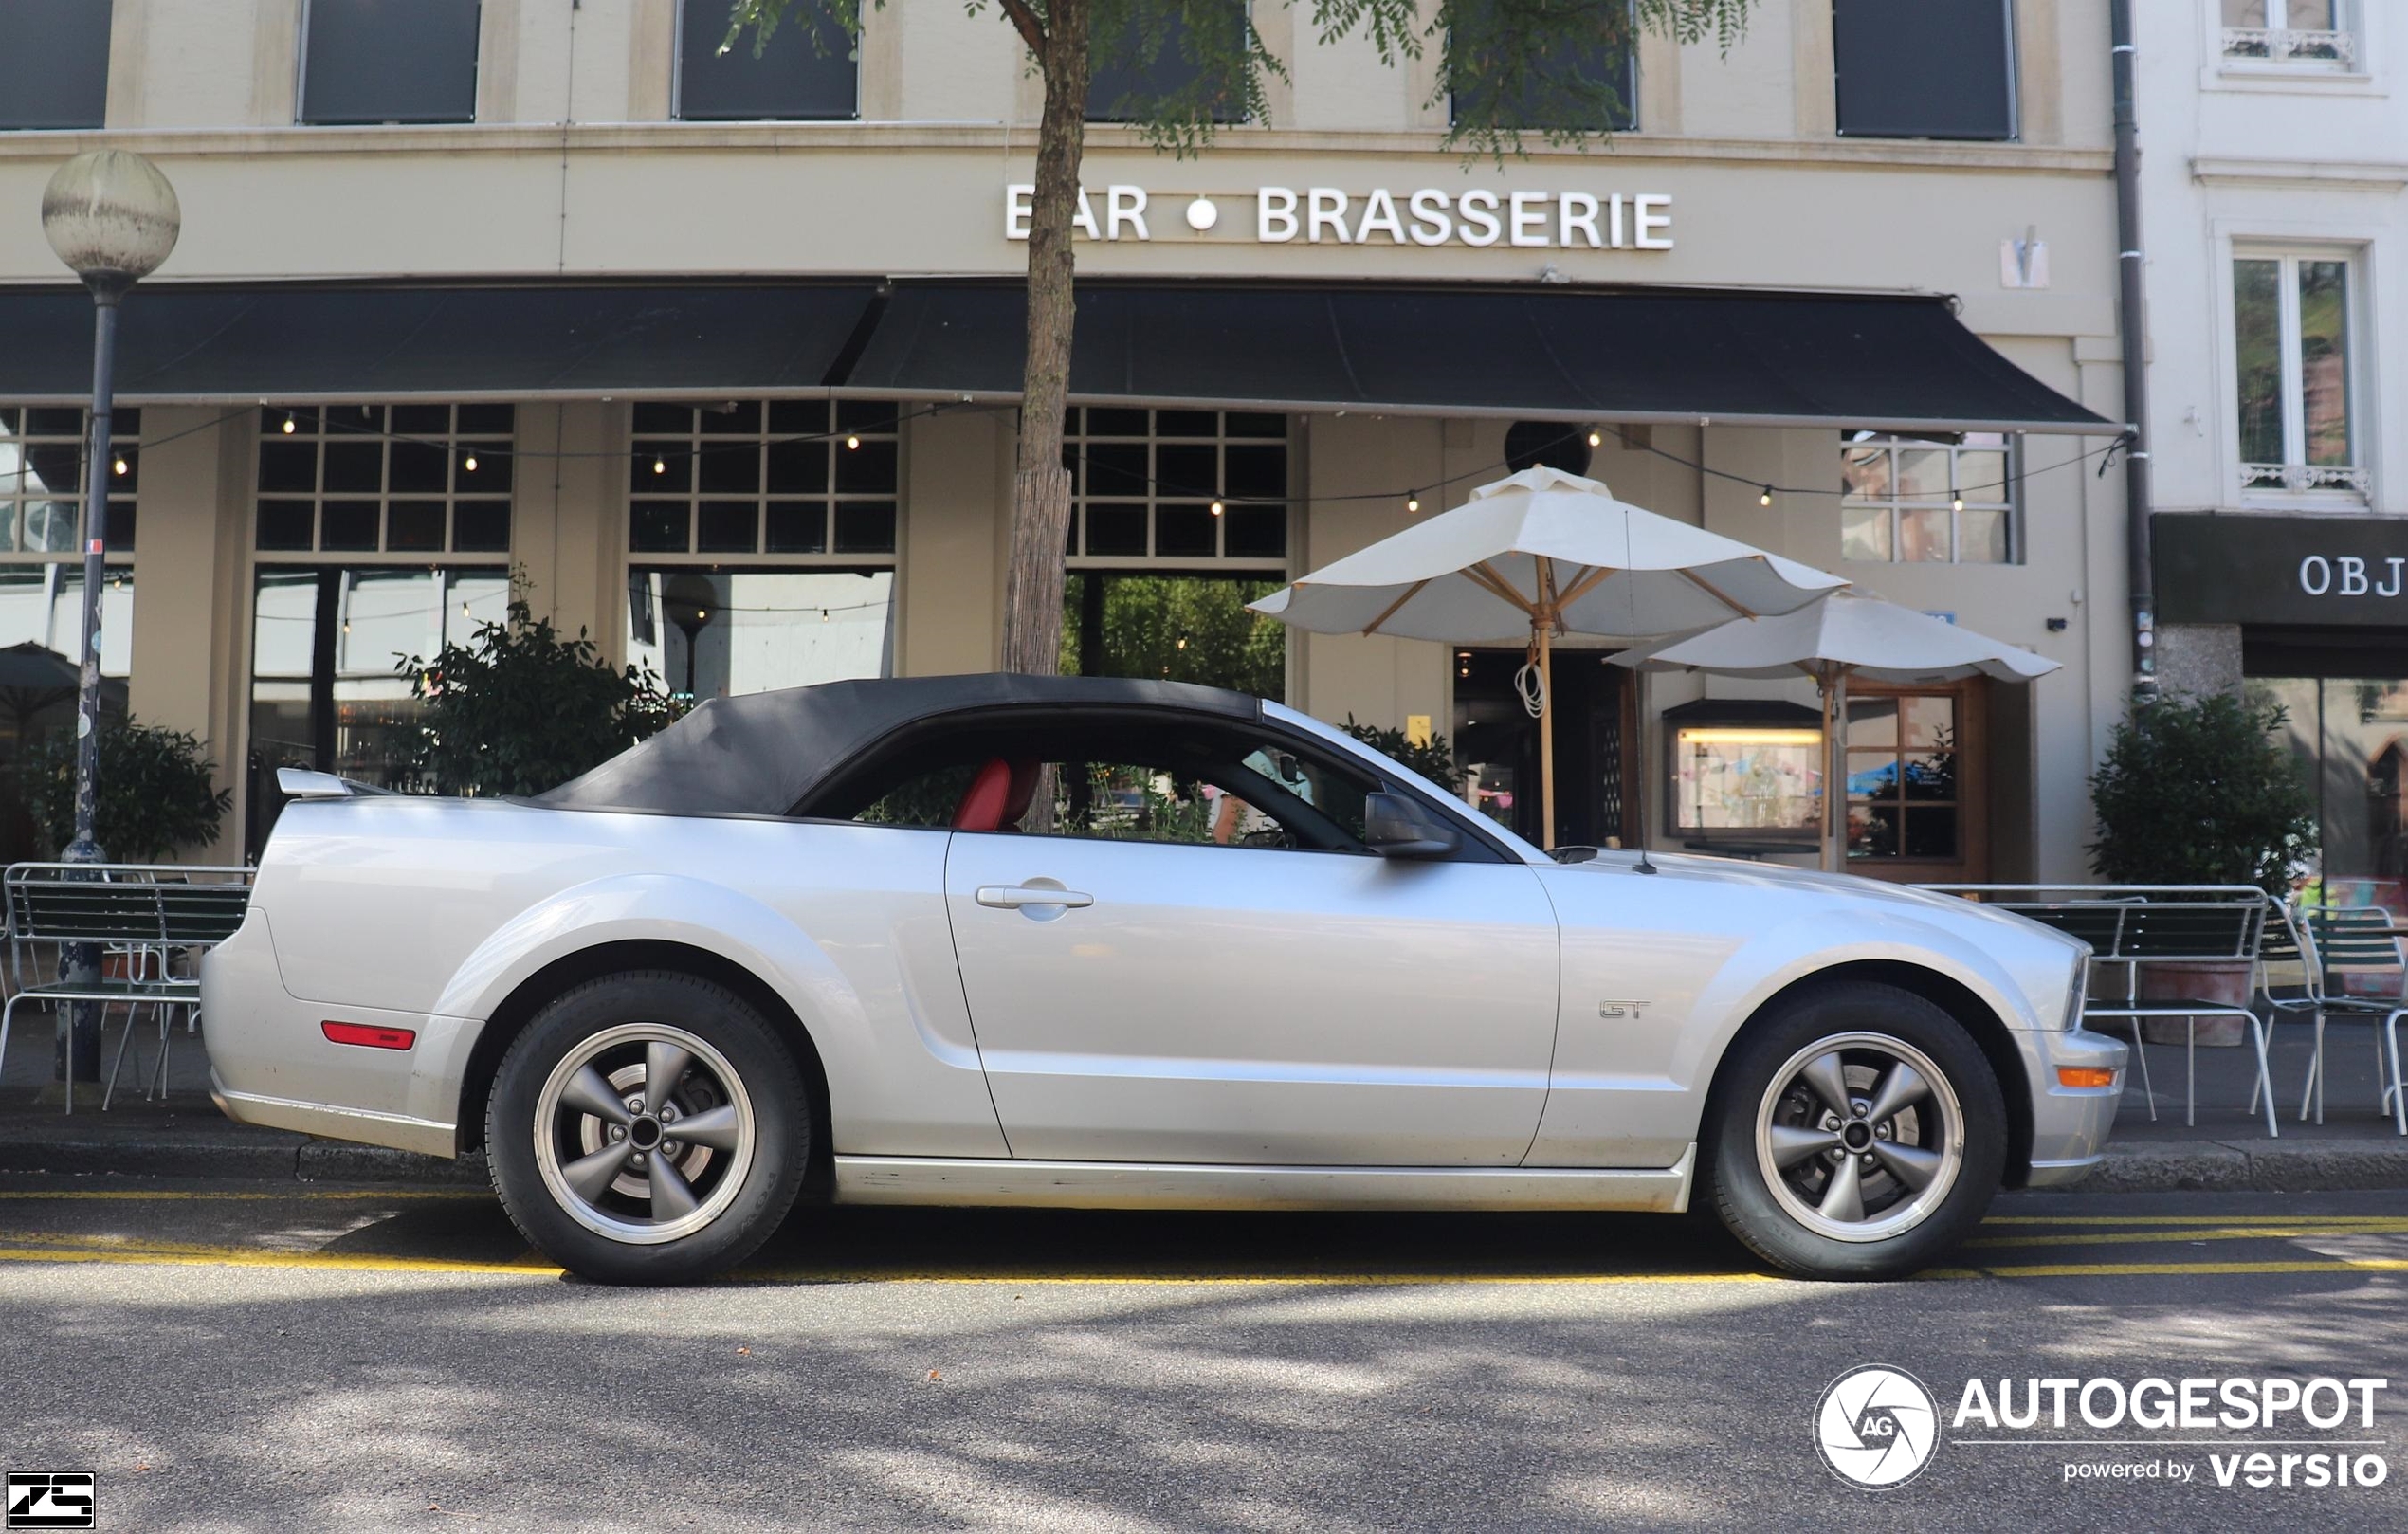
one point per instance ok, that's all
(727, 1203)
(1776, 1057)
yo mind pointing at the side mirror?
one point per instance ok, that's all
(1397, 827)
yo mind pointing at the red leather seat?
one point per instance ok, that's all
(1000, 793)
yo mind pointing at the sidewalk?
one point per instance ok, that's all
(183, 1134)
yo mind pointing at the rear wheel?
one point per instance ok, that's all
(648, 1128)
(1859, 1133)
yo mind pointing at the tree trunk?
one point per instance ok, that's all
(1041, 486)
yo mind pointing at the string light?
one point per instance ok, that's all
(1182, 643)
(469, 463)
(660, 465)
(1217, 509)
(1956, 504)
(852, 440)
(1412, 501)
(1597, 438)
(120, 465)
(1766, 499)
(290, 425)
(823, 614)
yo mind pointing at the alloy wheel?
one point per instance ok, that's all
(644, 1133)
(1860, 1136)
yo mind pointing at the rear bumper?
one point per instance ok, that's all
(359, 1126)
(2070, 1124)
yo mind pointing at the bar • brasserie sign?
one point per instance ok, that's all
(2281, 570)
(1428, 216)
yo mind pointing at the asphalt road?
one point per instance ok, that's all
(278, 1358)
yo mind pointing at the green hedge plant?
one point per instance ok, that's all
(158, 791)
(2198, 791)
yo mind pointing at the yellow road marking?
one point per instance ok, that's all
(235, 1257)
(215, 1195)
(2196, 1232)
(2180, 1219)
(2111, 1270)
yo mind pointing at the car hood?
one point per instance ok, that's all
(1690, 867)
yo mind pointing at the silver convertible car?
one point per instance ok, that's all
(1005, 939)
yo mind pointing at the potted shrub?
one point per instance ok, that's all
(2198, 791)
(158, 791)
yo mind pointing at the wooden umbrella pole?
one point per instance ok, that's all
(1541, 628)
(1837, 856)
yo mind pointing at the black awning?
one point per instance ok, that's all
(1900, 363)
(187, 343)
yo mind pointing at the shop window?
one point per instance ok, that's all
(791, 478)
(1905, 752)
(384, 479)
(1174, 628)
(389, 61)
(1747, 775)
(1177, 487)
(1927, 501)
(2301, 35)
(718, 630)
(2349, 735)
(808, 70)
(326, 642)
(1137, 75)
(41, 484)
(2291, 364)
(1925, 68)
(54, 64)
(1584, 79)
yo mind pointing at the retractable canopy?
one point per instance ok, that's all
(1877, 361)
(764, 753)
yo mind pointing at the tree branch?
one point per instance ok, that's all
(1032, 30)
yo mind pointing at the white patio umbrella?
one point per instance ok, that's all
(1537, 556)
(1841, 635)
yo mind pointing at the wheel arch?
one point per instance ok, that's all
(519, 1009)
(1989, 1032)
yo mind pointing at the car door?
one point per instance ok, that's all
(1147, 1001)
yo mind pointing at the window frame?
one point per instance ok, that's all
(100, 116)
(2353, 486)
(865, 416)
(457, 444)
(125, 504)
(2009, 501)
(2014, 85)
(676, 73)
(1078, 435)
(2348, 35)
(1629, 93)
(301, 82)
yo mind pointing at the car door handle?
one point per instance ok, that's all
(1011, 897)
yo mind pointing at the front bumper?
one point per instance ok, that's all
(2070, 1124)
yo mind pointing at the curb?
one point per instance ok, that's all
(2248, 1166)
(265, 1158)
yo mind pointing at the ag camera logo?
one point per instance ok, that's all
(1877, 1427)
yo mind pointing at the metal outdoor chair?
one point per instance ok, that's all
(2326, 944)
(2134, 926)
(147, 913)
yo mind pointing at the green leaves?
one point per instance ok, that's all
(521, 709)
(2196, 790)
(157, 790)
(1434, 762)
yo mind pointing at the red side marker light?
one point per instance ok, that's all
(370, 1036)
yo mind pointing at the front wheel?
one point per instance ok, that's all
(648, 1128)
(1859, 1133)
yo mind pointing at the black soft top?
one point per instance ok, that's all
(764, 754)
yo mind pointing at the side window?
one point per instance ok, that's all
(1212, 789)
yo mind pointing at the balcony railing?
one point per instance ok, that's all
(2303, 477)
(2277, 45)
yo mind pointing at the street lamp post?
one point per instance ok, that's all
(112, 217)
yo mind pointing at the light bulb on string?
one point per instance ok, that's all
(469, 463)
(1597, 439)
(1412, 502)
(1217, 509)
(852, 441)
(660, 465)
(1766, 499)
(120, 465)
(290, 425)
(1956, 504)
(823, 614)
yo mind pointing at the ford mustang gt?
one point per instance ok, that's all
(1091, 943)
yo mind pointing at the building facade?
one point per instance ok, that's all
(2277, 234)
(714, 352)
